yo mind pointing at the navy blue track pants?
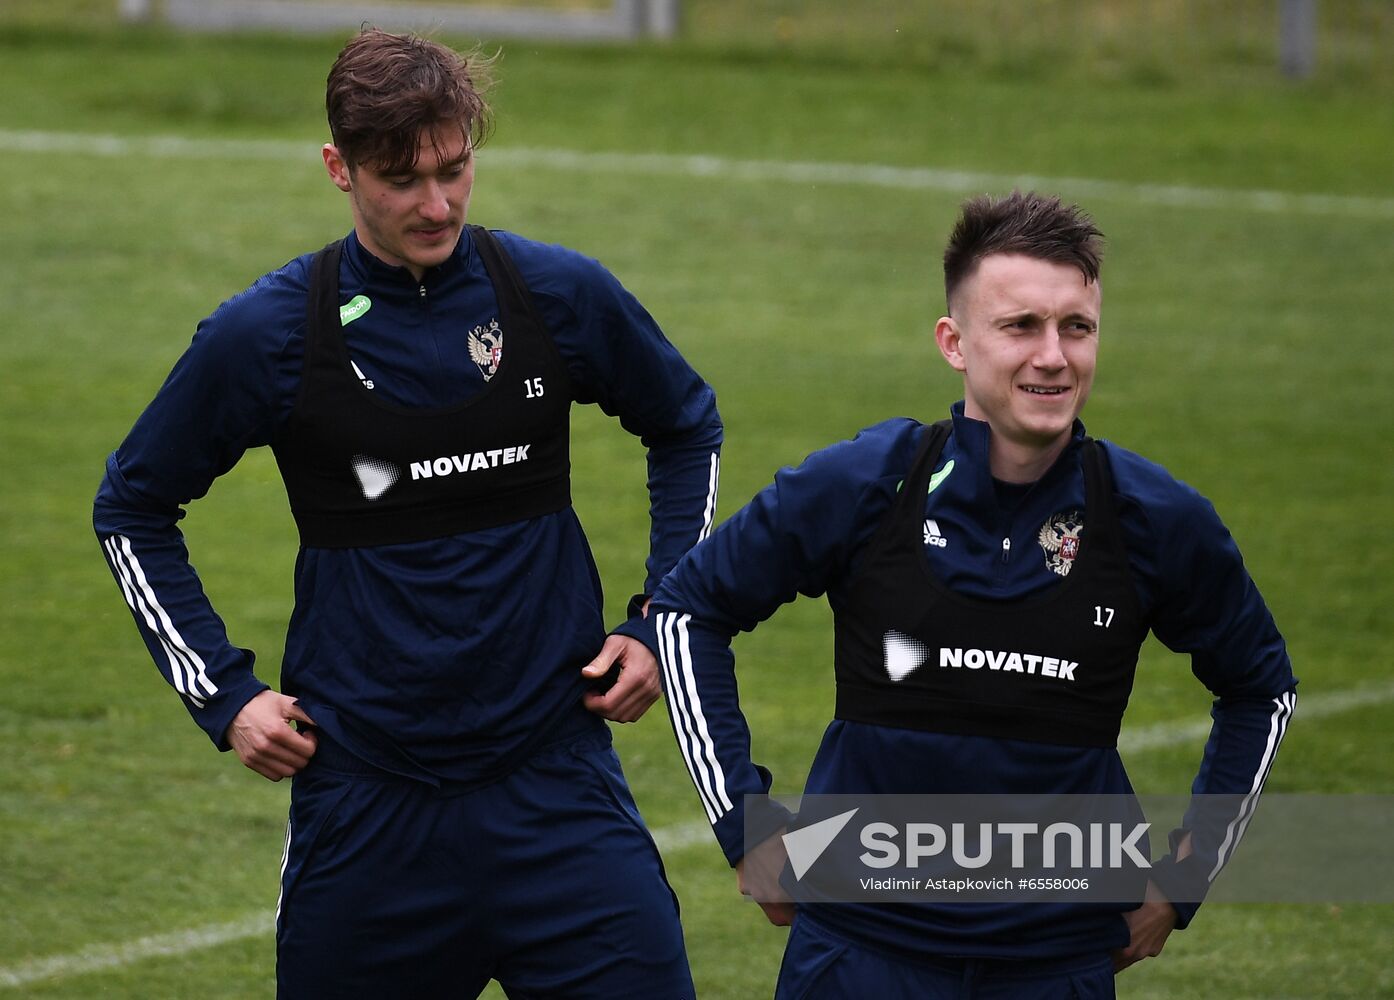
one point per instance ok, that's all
(545, 880)
(820, 964)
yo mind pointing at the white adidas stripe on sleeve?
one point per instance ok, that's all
(694, 740)
(1277, 729)
(713, 481)
(188, 672)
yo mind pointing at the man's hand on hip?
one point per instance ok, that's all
(1150, 924)
(757, 877)
(635, 689)
(262, 736)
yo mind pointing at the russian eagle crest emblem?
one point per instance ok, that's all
(1059, 538)
(486, 348)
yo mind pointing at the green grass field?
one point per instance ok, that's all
(1245, 346)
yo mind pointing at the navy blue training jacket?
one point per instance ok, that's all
(443, 658)
(803, 535)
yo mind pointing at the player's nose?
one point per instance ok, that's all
(435, 206)
(1048, 353)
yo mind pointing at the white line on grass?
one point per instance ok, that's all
(723, 168)
(681, 836)
(109, 956)
(670, 838)
(1317, 706)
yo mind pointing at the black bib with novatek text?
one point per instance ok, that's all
(1054, 668)
(360, 471)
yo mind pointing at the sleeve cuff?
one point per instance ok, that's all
(215, 719)
(639, 628)
(752, 820)
(1184, 883)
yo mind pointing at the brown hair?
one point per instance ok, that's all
(384, 89)
(1030, 224)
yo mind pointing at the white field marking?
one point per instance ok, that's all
(723, 168)
(678, 837)
(109, 956)
(681, 836)
(1315, 706)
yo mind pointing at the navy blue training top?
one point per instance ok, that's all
(984, 539)
(450, 654)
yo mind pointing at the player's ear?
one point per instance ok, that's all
(949, 338)
(337, 167)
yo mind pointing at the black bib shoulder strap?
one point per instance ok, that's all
(323, 300)
(922, 466)
(510, 289)
(1098, 493)
(909, 501)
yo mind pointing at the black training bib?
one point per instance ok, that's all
(362, 472)
(1056, 668)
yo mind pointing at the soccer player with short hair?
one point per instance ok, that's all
(1004, 528)
(457, 811)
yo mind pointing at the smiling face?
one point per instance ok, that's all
(1025, 334)
(411, 219)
